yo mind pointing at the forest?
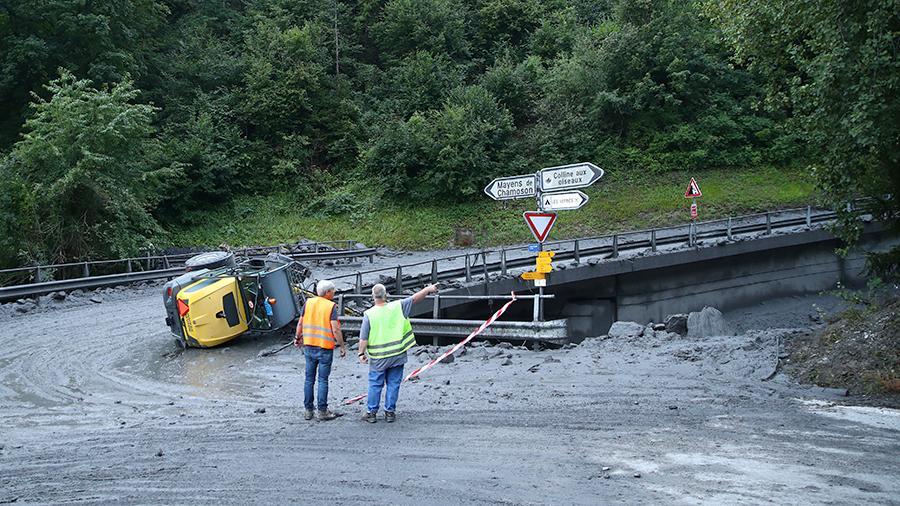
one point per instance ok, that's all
(123, 119)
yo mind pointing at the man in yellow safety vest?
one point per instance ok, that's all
(317, 332)
(384, 337)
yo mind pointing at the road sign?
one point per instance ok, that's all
(514, 187)
(563, 201)
(533, 275)
(546, 254)
(534, 248)
(694, 213)
(544, 265)
(539, 223)
(568, 177)
(693, 190)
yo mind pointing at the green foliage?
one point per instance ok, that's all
(80, 176)
(833, 66)
(436, 26)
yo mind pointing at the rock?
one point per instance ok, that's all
(78, 292)
(637, 475)
(707, 323)
(658, 326)
(551, 360)
(605, 468)
(626, 330)
(24, 308)
(569, 346)
(673, 407)
(159, 453)
(420, 350)
(446, 382)
(448, 359)
(676, 323)
(504, 345)
(508, 361)
(259, 411)
(58, 296)
(96, 299)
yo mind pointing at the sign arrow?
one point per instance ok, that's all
(513, 187)
(563, 201)
(567, 177)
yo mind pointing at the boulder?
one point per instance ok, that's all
(626, 329)
(60, 295)
(677, 323)
(706, 323)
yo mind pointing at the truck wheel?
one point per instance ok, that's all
(210, 260)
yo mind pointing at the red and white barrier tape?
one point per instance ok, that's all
(449, 352)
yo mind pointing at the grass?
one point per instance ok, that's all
(615, 205)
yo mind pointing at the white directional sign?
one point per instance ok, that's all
(567, 177)
(563, 201)
(514, 187)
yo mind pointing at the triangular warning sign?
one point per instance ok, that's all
(693, 190)
(540, 223)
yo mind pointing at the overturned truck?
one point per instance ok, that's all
(219, 299)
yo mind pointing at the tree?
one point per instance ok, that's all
(82, 172)
(833, 66)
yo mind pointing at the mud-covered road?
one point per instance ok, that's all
(98, 405)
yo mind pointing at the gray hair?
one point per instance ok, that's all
(323, 287)
(379, 292)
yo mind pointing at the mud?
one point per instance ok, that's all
(98, 405)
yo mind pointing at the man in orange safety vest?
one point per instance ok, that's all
(317, 333)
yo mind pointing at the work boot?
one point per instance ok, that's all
(370, 417)
(326, 415)
(308, 415)
(389, 416)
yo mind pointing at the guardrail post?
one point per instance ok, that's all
(653, 240)
(129, 265)
(537, 308)
(468, 269)
(166, 262)
(809, 217)
(358, 283)
(484, 269)
(729, 228)
(436, 308)
(317, 247)
(37, 274)
(399, 280)
(87, 270)
(615, 246)
(340, 304)
(503, 262)
(148, 261)
(768, 223)
(577, 252)
(434, 271)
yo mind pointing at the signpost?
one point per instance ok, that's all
(563, 201)
(569, 177)
(693, 192)
(515, 187)
(548, 187)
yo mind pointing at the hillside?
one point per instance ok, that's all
(616, 204)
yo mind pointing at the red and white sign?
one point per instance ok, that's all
(694, 211)
(693, 190)
(540, 223)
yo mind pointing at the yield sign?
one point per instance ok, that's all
(693, 190)
(539, 223)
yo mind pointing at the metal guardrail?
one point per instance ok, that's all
(555, 331)
(575, 249)
(147, 263)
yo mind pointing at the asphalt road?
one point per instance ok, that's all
(97, 405)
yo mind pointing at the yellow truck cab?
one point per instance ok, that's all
(219, 300)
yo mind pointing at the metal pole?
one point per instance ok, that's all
(87, 270)
(37, 274)
(539, 301)
(615, 246)
(358, 283)
(434, 271)
(768, 223)
(537, 309)
(468, 270)
(503, 262)
(577, 252)
(399, 280)
(129, 265)
(340, 304)
(436, 307)
(653, 240)
(729, 228)
(809, 217)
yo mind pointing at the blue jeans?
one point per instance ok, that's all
(393, 376)
(317, 358)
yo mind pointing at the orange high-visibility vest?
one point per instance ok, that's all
(317, 323)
